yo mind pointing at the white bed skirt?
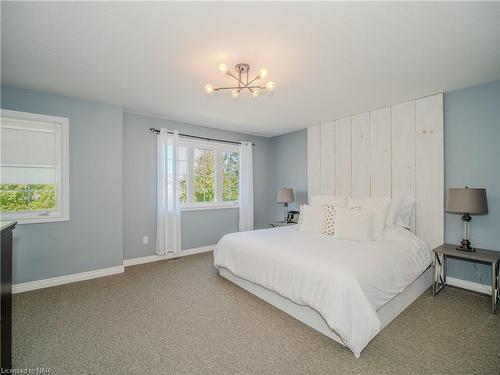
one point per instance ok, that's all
(313, 319)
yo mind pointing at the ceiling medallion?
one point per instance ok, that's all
(242, 76)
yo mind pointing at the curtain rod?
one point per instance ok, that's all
(157, 131)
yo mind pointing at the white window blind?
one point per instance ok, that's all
(28, 153)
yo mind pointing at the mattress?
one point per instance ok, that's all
(346, 282)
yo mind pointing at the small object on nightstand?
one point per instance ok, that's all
(465, 201)
(480, 255)
(293, 217)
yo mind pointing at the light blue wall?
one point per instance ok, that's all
(472, 158)
(92, 239)
(112, 182)
(289, 169)
(113, 190)
(199, 228)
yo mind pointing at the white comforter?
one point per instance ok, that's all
(344, 281)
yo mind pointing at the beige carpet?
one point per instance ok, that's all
(182, 318)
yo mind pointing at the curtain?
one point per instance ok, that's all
(168, 224)
(246, 187)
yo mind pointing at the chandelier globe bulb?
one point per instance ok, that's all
(270, 86)
(209, 89)
(223, 68)
(263, 73)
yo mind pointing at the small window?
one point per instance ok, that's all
(33, 167)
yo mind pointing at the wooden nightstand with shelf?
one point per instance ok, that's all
(479, 255)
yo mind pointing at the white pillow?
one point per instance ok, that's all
(332, 200)
(400, 212)
(353, 224)
(392, 212)
(312, 218)
(405, 214)
(379, 207)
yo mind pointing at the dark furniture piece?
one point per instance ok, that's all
(6, 228)
(480, 255)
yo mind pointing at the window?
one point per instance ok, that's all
(33, 167)
(204, 175)
(182, 174)
(208, 175)
(230, 176)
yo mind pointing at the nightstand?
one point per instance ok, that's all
(480, 255)
(280, 224)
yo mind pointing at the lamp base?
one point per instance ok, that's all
(465, 246)
(286, 212)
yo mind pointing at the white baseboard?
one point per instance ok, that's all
(155, 258)
(475, 287)
(60, 280)
(53, 281)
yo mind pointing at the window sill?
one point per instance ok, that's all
(35, 219)
(206, 207)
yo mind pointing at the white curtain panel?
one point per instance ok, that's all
(168, 225)
(246, 186)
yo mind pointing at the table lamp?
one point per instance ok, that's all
(466, 201)
(285, 196)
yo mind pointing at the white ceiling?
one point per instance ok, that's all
(328, 60)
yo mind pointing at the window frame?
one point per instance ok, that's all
(219, 148)
(61, 213)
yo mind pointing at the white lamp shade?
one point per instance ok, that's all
(285, 195)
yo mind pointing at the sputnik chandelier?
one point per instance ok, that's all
(242, 76)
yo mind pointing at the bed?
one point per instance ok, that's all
(347, 290)
(350, 290)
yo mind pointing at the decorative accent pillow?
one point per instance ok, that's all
(353, 224)
(312, 218)
(331, 200)
(379, 206)
(329, 221)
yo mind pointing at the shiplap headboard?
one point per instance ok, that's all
(395, 151)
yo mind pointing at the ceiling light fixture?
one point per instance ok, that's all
(242, 76)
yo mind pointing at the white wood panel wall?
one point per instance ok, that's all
(343, 156)
(403, 152)
(429, 210)
(327, 146)
(390, 152)
(313, 161)
(380, 141)
(361, 159)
